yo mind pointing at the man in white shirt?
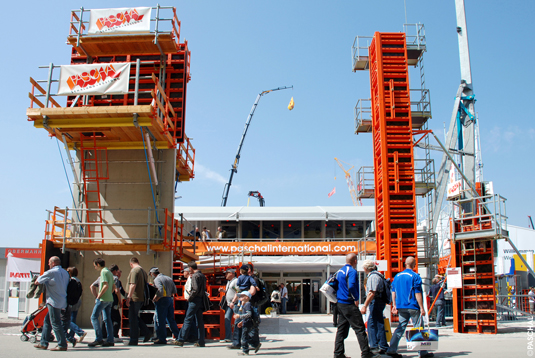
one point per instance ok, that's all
(284, 296)
(230, 291)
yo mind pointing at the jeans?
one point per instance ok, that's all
(136, 324)
(165, 311)
(228, 323)
(404, 315)
(195, 311)
(349, 316)
(249, 337)
(74, 327)
(284, 300)
(441, 318)
(105, 308)
(53, 322)
(376, 325)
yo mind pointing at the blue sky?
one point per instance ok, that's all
(240, 48)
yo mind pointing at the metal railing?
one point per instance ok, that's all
(420, 102)
(365, 181)
(481, 214)
(424, 172)
(414, 34)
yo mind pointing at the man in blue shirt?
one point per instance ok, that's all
(407, 302)
(56, 280)
(347, 293)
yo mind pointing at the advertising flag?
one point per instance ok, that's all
(102, 78)
(121, 20)
(332, 192)
(20, 269)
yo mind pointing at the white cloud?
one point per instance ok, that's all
(202, 172)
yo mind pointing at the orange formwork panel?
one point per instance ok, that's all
(395, 200)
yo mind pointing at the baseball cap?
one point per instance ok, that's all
(154, 270)
(244, 293)
(246, 267)
(230, 270)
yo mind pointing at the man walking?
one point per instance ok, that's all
(230, 292)
(55, 280)
(407, 302)
(284, 297)
(195, 307)
(137, 279)
(440, 302)
(347, 293)
(375, 299)
(164, 303)
(103, 303)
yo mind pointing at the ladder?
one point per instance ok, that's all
(94, 169)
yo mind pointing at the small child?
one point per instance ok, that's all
(245, 317)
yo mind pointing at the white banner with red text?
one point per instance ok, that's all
(120, 20)
(103, 78)
(20, 269)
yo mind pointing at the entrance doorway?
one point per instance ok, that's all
(303, 292)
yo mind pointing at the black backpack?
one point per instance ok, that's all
(385, 289)
(74, 291)
(261, 295)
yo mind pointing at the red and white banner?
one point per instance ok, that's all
(332, 192)
(20, 269)
(102, 78)
(121, 20)
(454, 185)
(23, 252)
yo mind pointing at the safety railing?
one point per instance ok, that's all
(363, 115)
(424, 172)
(415, 35)
(365, 182)
(482, 216)
(168, 24)
(420, 100)
(185, 157)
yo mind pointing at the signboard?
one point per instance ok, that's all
(454, 277)
(120, 20)
(286, 248)
(382, 265)
(19, 270)
(454, 185)
(102, 78)
(22, 252)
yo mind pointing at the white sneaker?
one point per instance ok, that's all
(225, 341)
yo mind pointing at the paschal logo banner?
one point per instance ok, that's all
(120, 20)
(102, 78)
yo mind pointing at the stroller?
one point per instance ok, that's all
(33, 325)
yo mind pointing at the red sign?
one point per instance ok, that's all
(24, 253)
(19, 275)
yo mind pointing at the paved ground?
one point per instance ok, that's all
(292, 335)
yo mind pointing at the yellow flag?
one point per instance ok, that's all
(291, 105)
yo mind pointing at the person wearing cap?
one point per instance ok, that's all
(164, 304)
(245, 318)
(195, 307)
(244, 283)
(230, 290)
(193, 335)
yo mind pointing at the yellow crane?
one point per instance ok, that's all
(349, 181)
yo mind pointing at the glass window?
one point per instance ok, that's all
(333, 229)
(250, 229)
(291, 229)
(354, 229)
(271, 229)
(312, 230)
(230, 227)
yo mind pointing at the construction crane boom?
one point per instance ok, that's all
(234, 168)
(256, 194)
(349, 181)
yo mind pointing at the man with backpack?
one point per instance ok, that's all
(346, 285)
(377, 299)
